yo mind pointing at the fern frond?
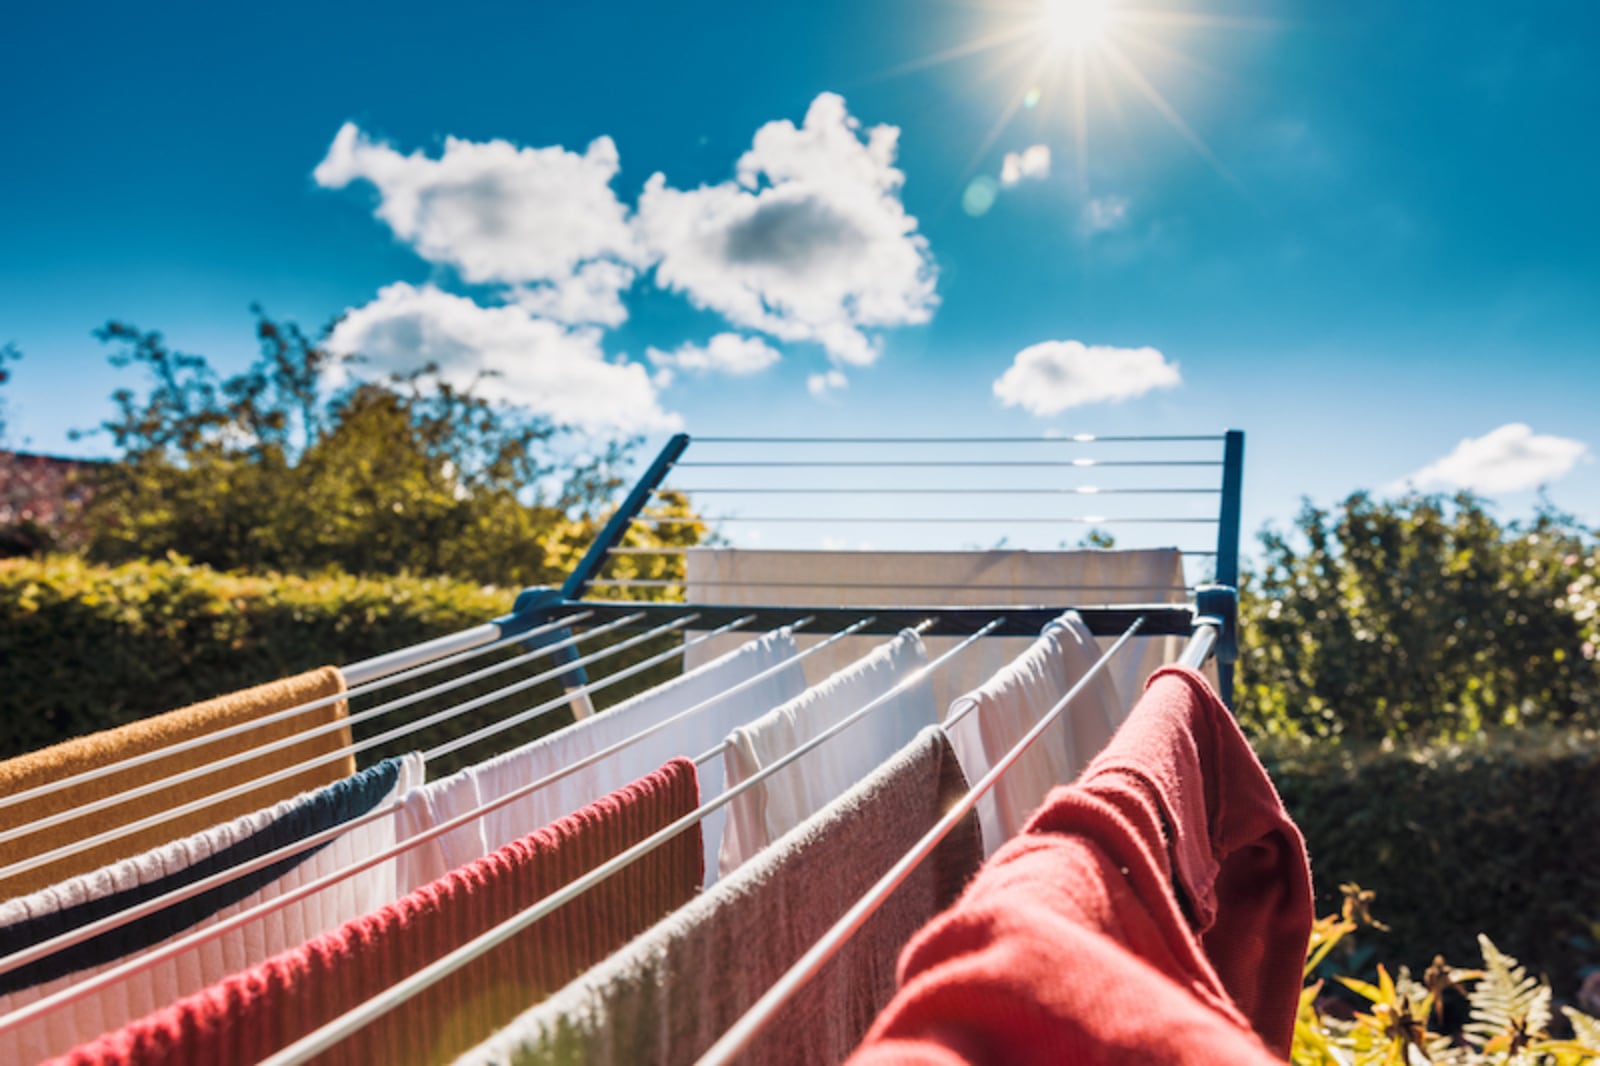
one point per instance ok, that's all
(1509, 1008)
(1585, 1030)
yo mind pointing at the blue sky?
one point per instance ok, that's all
(1365, 233)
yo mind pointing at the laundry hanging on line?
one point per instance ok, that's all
(107, 748)
(789, 797)
(252, 1014)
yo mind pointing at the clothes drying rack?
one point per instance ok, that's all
(1212, 467)
(1208, 620)
(544, 619)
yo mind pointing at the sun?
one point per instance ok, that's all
(1071, 61)
(1075, 24)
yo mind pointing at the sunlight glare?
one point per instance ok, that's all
(1076, 23)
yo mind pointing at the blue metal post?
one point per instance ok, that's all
(1228, 548)
(578, 581)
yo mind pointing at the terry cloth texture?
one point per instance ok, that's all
(795, 793)
(667, 996)
(743, 577)
(996, 716)
(1072, 944)
(77, 902)
(136, 738)
(252, 1015)
(707, 727)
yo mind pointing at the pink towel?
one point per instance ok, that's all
(256, 1013)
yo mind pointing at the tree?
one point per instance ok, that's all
(1419, 617)
(266, 471)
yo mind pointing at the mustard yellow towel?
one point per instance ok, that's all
(107, 747)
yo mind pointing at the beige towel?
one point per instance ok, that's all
(1075, 578)
(109, 746)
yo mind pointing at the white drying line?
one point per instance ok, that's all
(113, 921)
(246, 787)
(750, 1024)
(919, 629)
(157, 955)
(330, 1034)
(85, 776)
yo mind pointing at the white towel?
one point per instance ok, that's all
(697, 734)
(997, 715)
(800, 790)
(1059, 579)
(75, 902)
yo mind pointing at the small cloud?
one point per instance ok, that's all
(1103, 214)
(1507, 459)
(1030, 163)
(1046, 379)
(820, 385)
(726, 353)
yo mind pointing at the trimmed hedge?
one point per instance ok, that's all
(1495, 835)
(85, 647)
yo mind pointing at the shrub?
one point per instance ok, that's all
(1490, 834)
(1420, 617)
(84, 647)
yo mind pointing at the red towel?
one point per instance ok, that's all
(255, 1013)
(1237, 857)
(1072, 944)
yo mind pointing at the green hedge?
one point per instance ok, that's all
(85, 647)
(1495, 835)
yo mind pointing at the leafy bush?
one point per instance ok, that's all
(85, 647)
(1455, 837)
(1419, 618)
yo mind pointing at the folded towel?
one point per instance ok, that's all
(702, 730)
(999, 713)
(787, 798)
(136, 738)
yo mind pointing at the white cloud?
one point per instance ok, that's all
(542, 219)
(552, 369)
(1046, 379)
(819, 385)
(1032, 162)
(1102, 214)
(811, 241)
(728, 353)
(1503, 460)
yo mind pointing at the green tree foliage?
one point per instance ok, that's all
(1419, 617)
(263, 471)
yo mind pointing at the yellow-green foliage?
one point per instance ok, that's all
(1419, 617)
(1401, 1023)
(1486, 834)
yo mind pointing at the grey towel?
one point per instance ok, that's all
(668, 995)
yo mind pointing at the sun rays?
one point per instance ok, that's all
(1077, 61)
